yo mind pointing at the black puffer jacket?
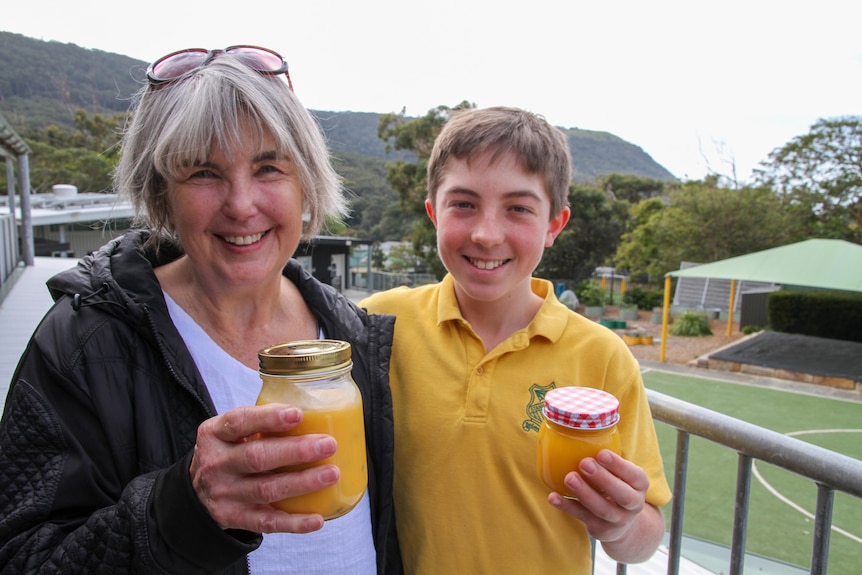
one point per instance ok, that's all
(102, 415)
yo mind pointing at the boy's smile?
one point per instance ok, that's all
(487, 265)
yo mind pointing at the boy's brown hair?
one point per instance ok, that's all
(541, 148)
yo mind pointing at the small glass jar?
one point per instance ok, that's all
(578, 422)
(314, 375)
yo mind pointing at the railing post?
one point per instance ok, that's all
(740, 515)
(28, 249)
(680, 476)
(822, 529)
(829, 470)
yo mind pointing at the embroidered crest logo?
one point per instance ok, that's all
(534, 406)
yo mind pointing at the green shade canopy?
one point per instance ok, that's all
(827, 264)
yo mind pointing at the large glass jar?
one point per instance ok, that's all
(314, 375)
(578, 422)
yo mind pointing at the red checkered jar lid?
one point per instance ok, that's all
(581, 408)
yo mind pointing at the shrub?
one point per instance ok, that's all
(644, 298)
(834, 315)
(590, 293)
(690, 323)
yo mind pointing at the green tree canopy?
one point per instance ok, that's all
(590, 238)
(632, 189)
(373, 204)
(821, 172)
(702, 223)
(409, 179)
(84, 157)
(639, 250)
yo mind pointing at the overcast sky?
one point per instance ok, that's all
(701, 86)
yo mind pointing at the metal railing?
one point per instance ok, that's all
(9, 257)
(829, 470)
(381, 281)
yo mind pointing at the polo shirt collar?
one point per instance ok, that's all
(550, 321)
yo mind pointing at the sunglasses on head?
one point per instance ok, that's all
(178, 64)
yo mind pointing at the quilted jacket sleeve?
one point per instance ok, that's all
(79, 493)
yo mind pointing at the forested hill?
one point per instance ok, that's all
(44, 83)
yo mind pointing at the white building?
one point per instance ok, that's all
(71, 224)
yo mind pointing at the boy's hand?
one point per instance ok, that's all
(611, 499)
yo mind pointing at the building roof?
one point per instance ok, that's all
(820, 263)
(49, 209)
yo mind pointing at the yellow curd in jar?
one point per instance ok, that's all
(346, 426)
(578, 423)
(561, 449)
(331, 404)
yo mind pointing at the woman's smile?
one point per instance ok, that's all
(246, 240)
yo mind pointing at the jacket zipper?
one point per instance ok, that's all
(181, 380)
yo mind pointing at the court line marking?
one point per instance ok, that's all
(757, 474)
(772, 383)
(789, 502)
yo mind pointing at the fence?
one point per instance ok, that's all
(386, 280)
(711, 293)
(8, 247)
(830, 472)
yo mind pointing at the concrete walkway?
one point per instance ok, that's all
(22, 310)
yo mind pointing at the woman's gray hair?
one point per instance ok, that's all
(176, 125)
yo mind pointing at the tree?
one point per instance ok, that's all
(821, 171)
(711, 223)
(371, 199)
(409, 180)
(632, 189)
(88, 170)
(401, 259)
(590, 238)
(639, 250)
(84, 157)
(703, 223)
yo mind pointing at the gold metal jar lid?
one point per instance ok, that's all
(305, 357)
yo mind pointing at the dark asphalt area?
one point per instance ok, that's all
(798, 353)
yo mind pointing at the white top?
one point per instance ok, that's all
(344, 545)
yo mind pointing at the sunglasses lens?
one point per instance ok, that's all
(258, 59)
(175, 65)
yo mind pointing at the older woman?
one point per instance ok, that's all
(123, 441)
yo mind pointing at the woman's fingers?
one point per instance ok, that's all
(243, 461)
(243, 422)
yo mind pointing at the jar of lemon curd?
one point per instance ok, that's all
(314, 375)
(578, 422)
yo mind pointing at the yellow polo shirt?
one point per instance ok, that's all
(468, 498)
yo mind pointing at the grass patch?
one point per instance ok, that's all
(775, 529)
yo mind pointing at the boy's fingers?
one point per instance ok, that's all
(627, 471)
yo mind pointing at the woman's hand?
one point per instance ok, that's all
(236, 479)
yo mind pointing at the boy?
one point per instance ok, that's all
(473, 357)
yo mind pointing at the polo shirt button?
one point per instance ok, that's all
(480, 370)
